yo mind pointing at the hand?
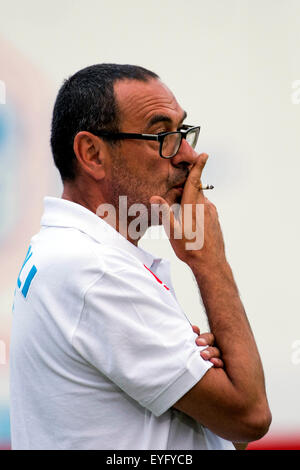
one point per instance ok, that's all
(211, 353)
(210, 250)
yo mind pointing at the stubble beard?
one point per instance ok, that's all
(125, 183)
(137, 190)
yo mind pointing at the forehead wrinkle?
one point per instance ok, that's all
(137, 106)
(156, 118)
(156, 104)
(141, 104)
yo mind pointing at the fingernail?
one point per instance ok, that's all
(201, 341)
(205, 353)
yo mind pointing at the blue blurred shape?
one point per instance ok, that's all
(4, 428)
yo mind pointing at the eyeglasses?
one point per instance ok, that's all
(169, 141)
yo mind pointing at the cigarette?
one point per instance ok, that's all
(208, 186)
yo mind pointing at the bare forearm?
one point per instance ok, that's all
(230, 326)
(231, 402)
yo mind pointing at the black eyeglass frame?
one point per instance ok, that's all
(184, 131)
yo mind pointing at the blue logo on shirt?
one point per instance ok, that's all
(30, 275)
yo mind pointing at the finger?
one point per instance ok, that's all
(196, 329)
(192, 192)
(205, 339)
(210, 352)
(217, 362)
(163, 210)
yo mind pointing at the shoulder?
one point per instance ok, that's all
(69, 255)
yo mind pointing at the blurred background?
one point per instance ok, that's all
(234, 66)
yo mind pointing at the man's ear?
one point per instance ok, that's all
(91, 153)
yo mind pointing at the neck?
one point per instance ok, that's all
(109, 212)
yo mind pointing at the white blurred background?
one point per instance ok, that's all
(232, 66)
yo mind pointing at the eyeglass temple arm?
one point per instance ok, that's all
(123, 135)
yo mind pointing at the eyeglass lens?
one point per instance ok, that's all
(192, 138)
(172, 142)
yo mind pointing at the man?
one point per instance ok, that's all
(102, 356)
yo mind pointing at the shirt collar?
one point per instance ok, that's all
(62, 213)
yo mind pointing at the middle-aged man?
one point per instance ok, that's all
(102, 356)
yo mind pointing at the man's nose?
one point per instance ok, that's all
(186, 154)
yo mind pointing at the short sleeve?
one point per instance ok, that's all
(134, 332)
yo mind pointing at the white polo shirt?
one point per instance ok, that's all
(100, 348)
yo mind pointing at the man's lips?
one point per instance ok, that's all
(179, 187)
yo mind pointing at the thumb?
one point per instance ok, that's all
(196, 329)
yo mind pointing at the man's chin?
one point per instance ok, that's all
(173, 197)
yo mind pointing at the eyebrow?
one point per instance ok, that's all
(162, 118)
